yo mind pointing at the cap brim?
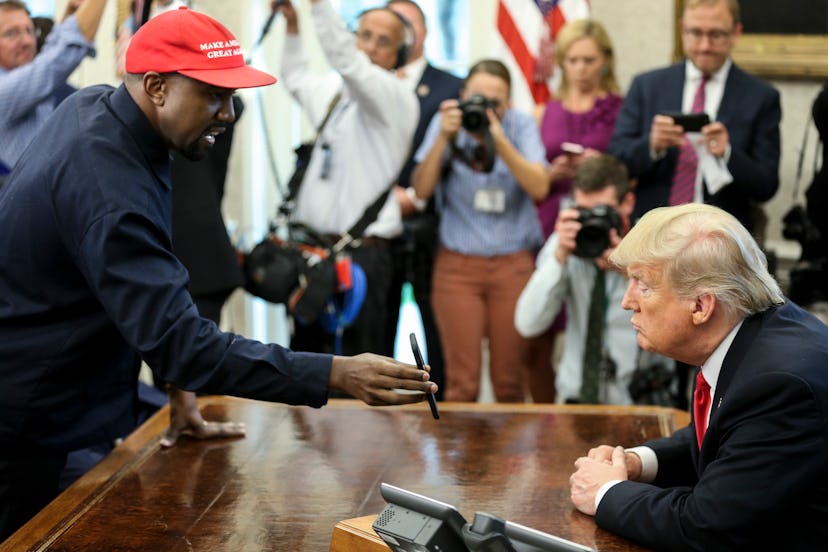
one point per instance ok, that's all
(233, 77)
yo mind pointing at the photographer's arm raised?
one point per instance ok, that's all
(532, 177)
(426, 175)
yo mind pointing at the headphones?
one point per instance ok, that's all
(404, 51)
(342, 314)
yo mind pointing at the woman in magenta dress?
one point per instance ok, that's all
(576, 124)
(584, 111)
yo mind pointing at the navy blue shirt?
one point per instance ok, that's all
(88, 283)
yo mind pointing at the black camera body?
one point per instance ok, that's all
(594, 236)
(474, 113)
(808, 275)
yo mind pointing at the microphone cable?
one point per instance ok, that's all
(268, 144)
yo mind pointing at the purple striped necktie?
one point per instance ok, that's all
(687, 163)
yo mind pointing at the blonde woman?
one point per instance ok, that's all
(574, 125)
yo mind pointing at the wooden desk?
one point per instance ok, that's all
(300, 471)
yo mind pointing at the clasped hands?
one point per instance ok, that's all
(601, 465)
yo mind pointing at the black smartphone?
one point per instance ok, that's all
(418, 357)
(690, 122)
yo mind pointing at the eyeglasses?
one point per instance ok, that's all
(716, 36)
(14, 34)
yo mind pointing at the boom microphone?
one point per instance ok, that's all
(269, 23)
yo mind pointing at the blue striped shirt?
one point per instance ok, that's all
(463, 228)
(27, 92)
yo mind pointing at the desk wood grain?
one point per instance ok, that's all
(300, 471)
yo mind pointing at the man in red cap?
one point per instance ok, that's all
(90, 285)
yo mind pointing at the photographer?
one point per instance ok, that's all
(358, 154)
(808, 225)
(571, 263)
(484, 162)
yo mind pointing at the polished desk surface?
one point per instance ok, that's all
(301, 471)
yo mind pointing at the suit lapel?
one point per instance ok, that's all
(733, 94)
(674, 88)
(733, 359)
(425, 87)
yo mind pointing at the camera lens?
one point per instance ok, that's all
(594, 236)
(592, 240)
(474, 121)
(474, 118)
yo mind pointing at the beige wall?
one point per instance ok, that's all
(642, 31)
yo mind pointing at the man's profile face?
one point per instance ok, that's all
(708, 35)
(380, 35)
(193, 114)
(662, 320)
(17, 39)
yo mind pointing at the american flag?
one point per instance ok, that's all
(527, 30)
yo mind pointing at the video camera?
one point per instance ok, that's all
(594, 236)
(474, 113)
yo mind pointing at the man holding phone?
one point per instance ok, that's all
(742, 139)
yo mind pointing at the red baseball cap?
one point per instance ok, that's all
(195, 45)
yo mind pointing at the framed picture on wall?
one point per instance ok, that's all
(780, 39)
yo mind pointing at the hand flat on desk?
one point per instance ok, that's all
(186, 419)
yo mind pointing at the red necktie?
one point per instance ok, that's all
(701, 402)
(687, 163)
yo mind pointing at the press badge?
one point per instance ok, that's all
(490, 200)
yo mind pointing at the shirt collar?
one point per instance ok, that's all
(713, 365)
(151, 144)
(693, 75)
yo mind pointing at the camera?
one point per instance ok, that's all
(594, 236)
(474, 113)
(808, 275)
(799, 227)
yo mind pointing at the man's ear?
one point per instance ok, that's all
(703, 308)
(155, 87)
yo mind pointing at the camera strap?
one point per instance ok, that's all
(368, 216)
(307, 148)
(482, 157)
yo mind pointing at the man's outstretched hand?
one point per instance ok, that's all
(374, 379)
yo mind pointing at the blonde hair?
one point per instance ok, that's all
(700, 250)
(586, 28)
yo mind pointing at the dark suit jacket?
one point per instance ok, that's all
(749, 109)
(434, 87)
(760, 481)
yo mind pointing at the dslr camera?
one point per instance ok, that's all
(594, 236)
(808, 275)
(474, 113)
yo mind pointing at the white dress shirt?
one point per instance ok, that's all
(550, 287)
(712, 170)
(368, 136)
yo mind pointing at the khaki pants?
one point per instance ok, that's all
(475, 297)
